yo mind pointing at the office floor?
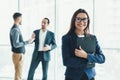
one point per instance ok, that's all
(107, 71)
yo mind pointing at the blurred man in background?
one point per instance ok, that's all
(18, 45)
(44, 43)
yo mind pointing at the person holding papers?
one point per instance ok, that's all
(80, 58)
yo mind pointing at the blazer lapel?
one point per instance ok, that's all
(46, 38)
(74, 40)
(38, 34)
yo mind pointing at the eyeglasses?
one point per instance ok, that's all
(78, 19)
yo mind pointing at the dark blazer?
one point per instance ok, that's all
(49, 40)
(76, 65)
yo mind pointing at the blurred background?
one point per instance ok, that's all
(105, 24)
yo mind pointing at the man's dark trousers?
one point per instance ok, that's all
(34, 65)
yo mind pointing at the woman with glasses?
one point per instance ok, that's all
(76, 60)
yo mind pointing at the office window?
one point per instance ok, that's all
(107, 25)
(33, 13)
(7, 7)
(107, 29)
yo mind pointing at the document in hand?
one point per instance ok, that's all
(87, 43)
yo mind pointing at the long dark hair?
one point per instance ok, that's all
(72, 25)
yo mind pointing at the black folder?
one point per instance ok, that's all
(87, 43)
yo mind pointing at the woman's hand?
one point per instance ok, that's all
(80, 53)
